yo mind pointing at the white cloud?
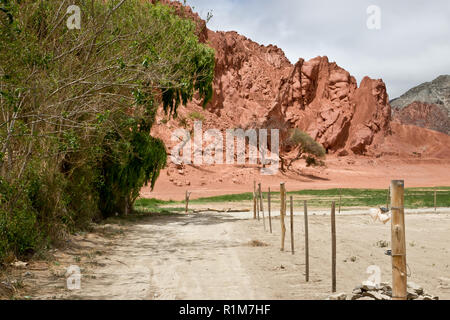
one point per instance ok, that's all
(412, 46)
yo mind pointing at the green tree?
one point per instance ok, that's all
(308, 149)
(77, 107)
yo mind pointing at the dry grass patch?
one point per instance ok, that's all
(257, 243)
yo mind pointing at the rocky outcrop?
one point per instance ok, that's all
(427, 105)
(435, 92)
(247, 77)
(256, 86)
(424, 115)
(323, 99)
(246, 82)
(383, 292)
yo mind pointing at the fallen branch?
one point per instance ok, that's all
(222, 211)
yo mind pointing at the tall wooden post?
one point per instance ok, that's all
(188, 194)
(282, 213)
(261, 205)
(270, 215)
(305, 213)
(435, 202)
(254, 199)
(257, 203)
(388, 197)
(292, 225)
(333, 247)
(399, 273)
(340, 199)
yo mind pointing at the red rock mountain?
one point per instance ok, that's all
(325, 100)
(425, 115)
(256, 86)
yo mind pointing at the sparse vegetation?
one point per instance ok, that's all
(156, 206)
(182, 122)
(307, 148)
(257, 243)
(414, 198)
(195, 115)
(382, 244)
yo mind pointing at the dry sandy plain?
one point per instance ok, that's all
(213, 256)
(340, 172)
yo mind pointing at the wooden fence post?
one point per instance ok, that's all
(340, 199)
(254, 199)
(282, 213)
(257, 203)
(399, 273)
(333, 247)
(305, 212)
(270, 216)
(261, 205)
(388, 197)
(292, 225)
(188, 194)
(435, 202)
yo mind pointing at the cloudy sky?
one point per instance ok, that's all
(412, 46)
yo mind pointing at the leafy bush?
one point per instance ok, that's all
(306, 143)
(18, 225)
(308, 148)
(195, 115)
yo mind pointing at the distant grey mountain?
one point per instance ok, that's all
(436, 92)
(427, 105)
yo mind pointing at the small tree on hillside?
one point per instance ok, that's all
(308, 149)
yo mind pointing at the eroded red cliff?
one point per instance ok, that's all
(256, 86)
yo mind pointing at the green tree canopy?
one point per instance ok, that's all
(77, 107)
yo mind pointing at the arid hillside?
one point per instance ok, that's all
(426, 106)
(256, 86)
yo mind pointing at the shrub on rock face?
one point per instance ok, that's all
(308, 149)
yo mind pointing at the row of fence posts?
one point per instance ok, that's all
(257, 194)
(396, 197)
(258, 208)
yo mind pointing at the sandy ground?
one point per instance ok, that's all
(211, 256)
(341, 172)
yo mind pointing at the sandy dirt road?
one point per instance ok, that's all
(211, 256)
